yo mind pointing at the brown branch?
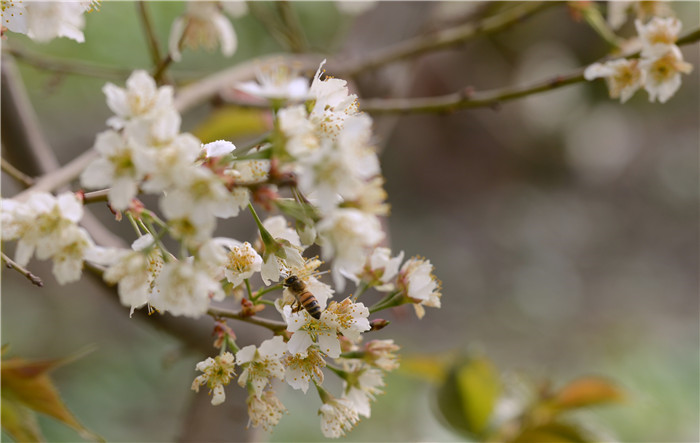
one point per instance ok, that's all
(446, 38)
(227, 313)
(13, 265)
(468, 98)
(151, 38)
(16, 173)
(75, 67)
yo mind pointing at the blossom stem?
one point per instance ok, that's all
(360, 290)
(391, 300)
(96, 196)
(134, 225)
(231, 343)
(22, 270)
(259, 293)
(247, 287)
(337, 371)
(446, 38)
(325, 396)
(353, 354)
(272, 325)
(16, 173)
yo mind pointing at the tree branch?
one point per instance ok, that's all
(467, 98)
(151, 38)
(446, 38)
(13, 265)
(16, 173)
(76, 67)
(227, 313)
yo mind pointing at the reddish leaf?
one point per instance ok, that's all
(587, 391)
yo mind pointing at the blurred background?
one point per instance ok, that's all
(564, 227)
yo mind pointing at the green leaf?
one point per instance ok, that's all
(469, 395)
(555, 432)
(587, 391)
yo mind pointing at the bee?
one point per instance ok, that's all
(304, 297)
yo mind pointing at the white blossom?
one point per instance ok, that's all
(382, 354)
(261, 364)
(218, 148)
(114, 168)
(663, 74)
(418, 283)
(277, 82)
(361, 390)
(345, 317)
(338, 416)
(623, 77)
(135, 271)
(217, 373)
(141, 98)
(265, 410)
(273, 266)
(44, 21)
(202, 25)
(658, 35)
(183, 289)
(347, 235)
(303, 367)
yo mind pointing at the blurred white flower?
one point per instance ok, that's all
(361, 386)
(347, 235)
(274, 266)
(44, 21)
(338, 416)
(202, 25)
(140, 98)
(114, 167)
(658, 35)
(663, 74)
(382, 354)
(623, 77)
(265, 410)
(277, 81)
(218, 148)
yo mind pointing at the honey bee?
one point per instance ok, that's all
(304, 297)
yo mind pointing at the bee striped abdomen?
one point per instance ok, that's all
(309, 302)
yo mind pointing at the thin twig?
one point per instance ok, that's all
(468, 98)
(227, 313)
(295, 32)
(16, 173)
(148, 29)
(95, 196)
(64, 66)
(446, 38)
(12, 265)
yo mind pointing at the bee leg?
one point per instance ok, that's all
(296, 306)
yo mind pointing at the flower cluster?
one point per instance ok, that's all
(658, 70)
(47, 226)
(317, 167)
